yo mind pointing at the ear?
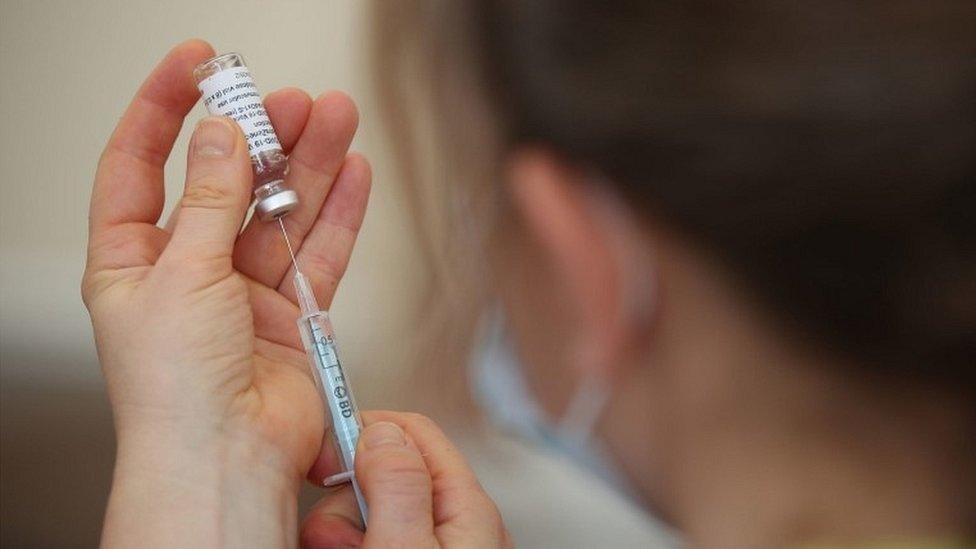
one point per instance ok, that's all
(596, 251)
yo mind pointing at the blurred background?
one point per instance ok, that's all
(67, 70)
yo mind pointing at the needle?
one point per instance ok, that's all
(291, 251)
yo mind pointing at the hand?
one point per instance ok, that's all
(216, 414)
(419, 489)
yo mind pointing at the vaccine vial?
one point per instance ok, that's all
(228, 90)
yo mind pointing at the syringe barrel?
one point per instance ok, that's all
(319, 341)
(229, 90)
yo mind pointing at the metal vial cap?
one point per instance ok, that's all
(274, 206)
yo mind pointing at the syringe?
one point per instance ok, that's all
(319, 341)
(228, 90)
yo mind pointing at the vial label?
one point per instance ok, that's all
(231, 92)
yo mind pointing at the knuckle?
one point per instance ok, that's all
(87, 291)
(90, 288)
(93, 286)
(209, 192)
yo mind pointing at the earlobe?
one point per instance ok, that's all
(595, 252)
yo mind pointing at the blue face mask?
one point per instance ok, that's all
(503, 394)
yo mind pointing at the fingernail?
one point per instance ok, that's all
(383, 433)
(214, 137)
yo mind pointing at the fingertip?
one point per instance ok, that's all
(184, 57)
(216, 137)
(288, 109)
(290, 95)
(171, 84)
(325, 139)
(218, 152)
(360, 167)
(129, 181)
(382, 434)
(397, 486)
(385, 450)
(386, 455)
(194, 48)
(339, 108)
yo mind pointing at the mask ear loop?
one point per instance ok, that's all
(576, 434)
(579, 421)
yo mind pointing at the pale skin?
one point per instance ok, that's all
(217, 417)
(741, 433)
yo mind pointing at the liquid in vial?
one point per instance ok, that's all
(229, 90)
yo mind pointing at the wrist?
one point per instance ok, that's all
(199, 487)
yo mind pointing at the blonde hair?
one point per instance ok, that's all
(427, 90)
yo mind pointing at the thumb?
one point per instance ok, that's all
(217, 192)
(397, 487)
